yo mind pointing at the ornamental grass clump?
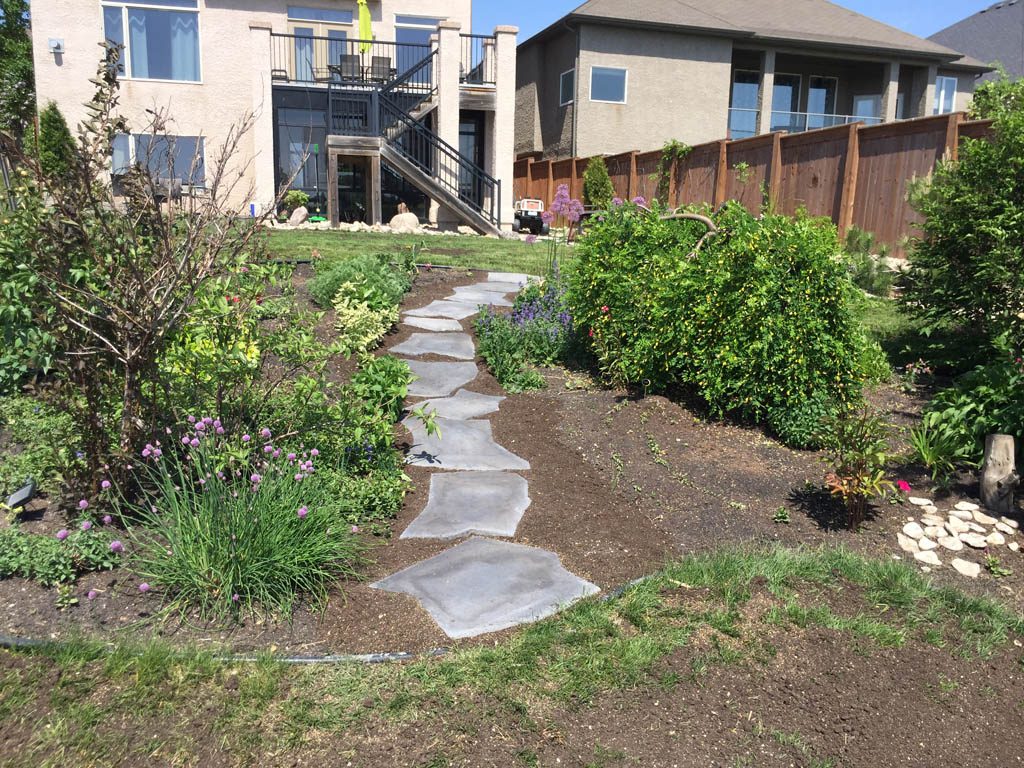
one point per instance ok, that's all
(237, 525)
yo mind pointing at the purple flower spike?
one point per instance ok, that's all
(62, 534)
(116, 546)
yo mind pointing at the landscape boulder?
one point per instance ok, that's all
(299, 216)
(405, 224)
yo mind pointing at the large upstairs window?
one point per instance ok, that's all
(160, 38)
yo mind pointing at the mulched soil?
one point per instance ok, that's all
(618, 486)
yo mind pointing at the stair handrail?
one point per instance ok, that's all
(407, 76)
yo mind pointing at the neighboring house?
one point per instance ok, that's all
(422, 114)
(612, 76)
(994, 35)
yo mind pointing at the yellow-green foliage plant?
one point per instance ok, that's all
(360, 327)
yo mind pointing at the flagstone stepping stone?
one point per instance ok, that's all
(1004, 528)
(961, 514)
(444, 308)
(966, 568)
(437, 324)
(975, 540)
(496, 286)
(472, 294)
(439, 379)
(925, 544)
(509, 277)
(461, 445)
(967, 506)
(483, 586)
(956, 526)
(951, 543)
(457, 345)
(995, 539)
(913, 530)
(934, 531)
(461, 503)
(462, 405)
(929, 557)
(983, 519)
(907, 544)
(918, 502)
(1010, 522)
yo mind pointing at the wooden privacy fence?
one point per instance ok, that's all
(856, 175)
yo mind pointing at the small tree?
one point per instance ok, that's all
(56, 147)
(597, 184)
(17, 84)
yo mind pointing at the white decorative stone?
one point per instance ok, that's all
(975, 540)
(1013, 546)
(1004, 528)
(925, 569)
(933, 520)
(934, 531)
(981, 517)
(919, 502)
(995, 539)
(913, 530)
(926, 544)
(966, 568)
(931, 509)
(952, 543)
(961, 514)
(967, 506)
(928, 558)
(956, 526)
(907, 544)
(1010, 522)
(977, 528)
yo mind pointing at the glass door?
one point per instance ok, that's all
(786, 114)
(319, 42)
(821, 102)
(746, 86)
(471, 147)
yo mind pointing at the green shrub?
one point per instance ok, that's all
(598, 190)
(231, 529)
(382, 384)
(758, 319)
(864, 263)
(56, 147)
(874, 363)
(968, 268)
(49, 560)
(500, 345)
(373, 280)
(295, 198)
(801, 425)
(360, 326)
(857, 442)
(40, 443)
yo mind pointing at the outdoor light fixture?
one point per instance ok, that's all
(56, 45)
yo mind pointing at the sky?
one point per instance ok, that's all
(919, 17)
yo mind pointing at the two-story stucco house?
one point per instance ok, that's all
(417, 112)
(612, 77)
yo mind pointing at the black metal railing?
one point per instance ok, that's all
(305, 59)
(479, 64)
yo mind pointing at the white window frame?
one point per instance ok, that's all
(126, 59)
(562, 101)
(625, 84)
(937, 106)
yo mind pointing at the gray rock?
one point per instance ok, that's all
(443, 308)
(462, 405)
(457, 345)
(439, 379)
(299, 216)
(966, 568)
(436, 324)
(405, 224)
(484, 586)
(913, 530)
(472, 295)
(975, 540)
(467, 445)
(976, 528)
(461, 503)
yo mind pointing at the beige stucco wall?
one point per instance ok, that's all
(966, 83)
(230, 85)
(677, 88)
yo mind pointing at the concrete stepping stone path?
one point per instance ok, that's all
(480, 585)
(457, 345)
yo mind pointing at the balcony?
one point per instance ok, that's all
(478, 63)
(743, 123)
(307, 60)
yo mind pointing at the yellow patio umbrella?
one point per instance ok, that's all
(365, 26)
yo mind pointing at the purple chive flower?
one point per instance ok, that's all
(639, 200)
(298, 477)
(62, 534)
(547, 217)
(314, 452)
(86, 525)
(146, 452)
(207, 420)
(105, 484)
(266, 433)
(355, 529)
(291, 457)
(246, 438)
(277, 452)
(91, 594)
(302, 512)
(194, 442)
(107, 519)
(116, 546)
(216, 423)
(191, 419)
(235, 598)
(268, 448)
(617, 201)
(531, 239)
(143, 587)
(200, 427)
(184, 440)
(83, 504)
(255, 478)
(220, 430)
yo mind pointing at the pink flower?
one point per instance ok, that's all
(291, 457)
(255, 478)
(62, 534)
(235, 598)
(266, 433)
(904, 486)
(105, 484)
(355, 529)
(83, 504)
(605, 310)
(246, 438)
(107, 519)
(86, 525)
(194, 442)
(298, 477)
(116, 546)
(143, 587)
(91, 594)
(314, 452)
(302, 512)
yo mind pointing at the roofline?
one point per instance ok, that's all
(948, 59)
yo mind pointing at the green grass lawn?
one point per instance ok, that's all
(463, 251)
(82, 704)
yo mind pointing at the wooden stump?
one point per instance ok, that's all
(999, 476)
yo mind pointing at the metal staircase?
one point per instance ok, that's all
(396, 112)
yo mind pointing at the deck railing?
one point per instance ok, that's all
(743, 122)
(479, 65)
(305, 59)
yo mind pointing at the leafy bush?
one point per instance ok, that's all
(372, 279)
(295, 198)
(50, 560)
(757, 319)
(40, 444)
(500, 343)
(857, 443)
(382, 384)
(230, 529)
(598, 190)
(801, 425)
(360, 326)
(968, 268)
(864, 263)
(56, 147)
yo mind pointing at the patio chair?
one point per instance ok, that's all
(350, 70)
(279, 74)
(380, 69)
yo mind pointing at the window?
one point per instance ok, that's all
(413, 33)
(159, 44)
(746, 86)
(319, 14)
(302, 147)
(821, 102)
(945, 95)
(567, 87)
(608, 84)
(181, 157)
(786, 104)
(868, 106)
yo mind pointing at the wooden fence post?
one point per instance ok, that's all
(775, 171)
(722, 173)
(848, 192)
(573, 179)
(673, 172)
(633, 180)
(953, 136)
(551, 183)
